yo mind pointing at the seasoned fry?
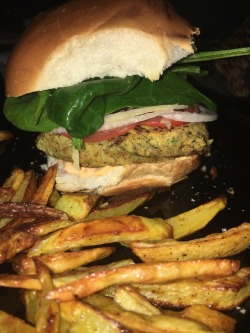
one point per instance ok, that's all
(131, 300)
(29, 210)
(144, 323)
(54, 197)
(45, 187)
(77, 205)
(20, 281)
(108, 230)
(13, 324)
(217, 321)
(195, 219)
(13, 242)
(143, 273)
(48, 315)
(79, 317)
(61, 262)
(119, 205)
(27, 188)
(217, 245)
(218, 293)
(33, 282)
(11, 184)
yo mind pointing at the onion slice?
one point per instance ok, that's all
(168, 112)
(175, 112)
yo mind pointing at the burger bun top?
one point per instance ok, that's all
(85, 39)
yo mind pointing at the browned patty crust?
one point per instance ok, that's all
(140, 145)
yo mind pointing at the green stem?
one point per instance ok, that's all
(213, 55)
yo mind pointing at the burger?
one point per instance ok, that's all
(96, 79)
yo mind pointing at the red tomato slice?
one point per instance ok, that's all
(109, 134)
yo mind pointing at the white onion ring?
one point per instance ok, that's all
(175, 112)
(168, 112)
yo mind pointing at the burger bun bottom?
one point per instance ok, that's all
(113, 180)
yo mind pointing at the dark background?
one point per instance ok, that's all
(231, 133)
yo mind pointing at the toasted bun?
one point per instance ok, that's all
(83, 39)
(109, 181)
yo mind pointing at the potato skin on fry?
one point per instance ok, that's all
(217, 245)
(108, 230)
(218, 293)
(151, 273)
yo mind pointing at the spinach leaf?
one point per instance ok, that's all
(28, 112)
(83, 106)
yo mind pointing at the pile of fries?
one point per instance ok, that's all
(55, 243)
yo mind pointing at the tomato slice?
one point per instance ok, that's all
(110, 134)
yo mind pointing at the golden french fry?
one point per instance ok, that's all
(44, 227)
(217, 245)
(144, 323)
(48, 314)
(11, 185)
(218, 293)
(45, 187)
(20, 281)
(144, 273)
(27, 188)
(61, 280)
(77, 205)
(33, 283)
(13, 324)
(195, 219)
(14, 241)
(30, 218)
(119, 205)
(61, 262)
(103, 231)
(217, 321)
(131, 300)
(82, 317)
(54, 197)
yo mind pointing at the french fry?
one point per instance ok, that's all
(119, 205)
(11, 185)
(48, 314)
(217, 245)
(144, 323)
(61, 262)
(54, 197)
(29, 210)
(131, 300)
(13, 242)
(27, 188)
(143, 273)
(217, 321)
(77, 205)
(13, 324)
(61, 280)
(218, 293)
(195, 219)
(103, 231)
(33, 282)
(45, 187)
(42, 227)
(81, 317)
(20, 281)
